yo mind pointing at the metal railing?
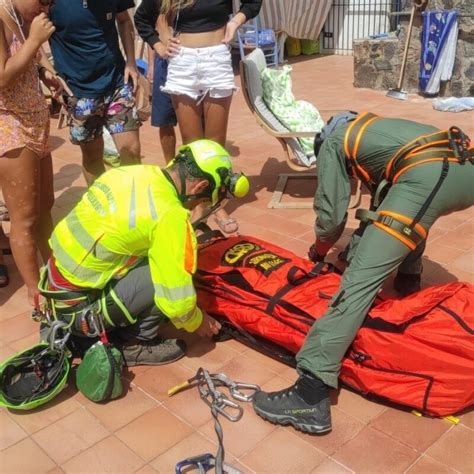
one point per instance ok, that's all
(353, 19)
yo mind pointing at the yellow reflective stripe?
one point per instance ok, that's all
(174, 294)
(186, 317)
(132, 213)
(105, 311)
(151, 205)
(130, 318)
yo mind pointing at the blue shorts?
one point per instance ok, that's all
(162, 111)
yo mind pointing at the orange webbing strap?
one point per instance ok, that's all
(395, 224)
(436, 139)
(352, 139)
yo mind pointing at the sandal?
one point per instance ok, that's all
(4, 279)
(4, 216)
(228, 225)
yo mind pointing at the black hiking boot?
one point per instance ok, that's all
(406, 283)
(287, 407)
(158, 351)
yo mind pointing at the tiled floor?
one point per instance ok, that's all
(146, 432)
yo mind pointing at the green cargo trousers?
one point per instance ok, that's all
(377, 255)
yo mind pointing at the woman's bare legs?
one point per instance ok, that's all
(216, 117)
(46, 201)
(205, 121)
(20, 174)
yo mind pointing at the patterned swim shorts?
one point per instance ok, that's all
(88, 116)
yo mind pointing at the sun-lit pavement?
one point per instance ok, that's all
(145, 431)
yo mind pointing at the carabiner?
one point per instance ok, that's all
(204, 462)
(223, 404)
(57, 344)
(243, 397)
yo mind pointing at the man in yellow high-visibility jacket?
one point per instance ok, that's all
(128, 249)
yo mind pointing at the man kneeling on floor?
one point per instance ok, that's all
(128, 250)
(415, 174)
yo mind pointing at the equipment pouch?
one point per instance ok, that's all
(98, 376)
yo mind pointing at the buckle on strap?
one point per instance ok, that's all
(398, 226)
(459, 142)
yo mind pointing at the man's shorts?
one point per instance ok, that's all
(88, 116)
(196, 72)
(162, 110)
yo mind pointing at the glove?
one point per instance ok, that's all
(314, 256)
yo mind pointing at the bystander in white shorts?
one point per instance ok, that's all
(197, 72)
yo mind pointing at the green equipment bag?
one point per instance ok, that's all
(98, 376)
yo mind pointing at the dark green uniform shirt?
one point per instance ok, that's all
(381, 140)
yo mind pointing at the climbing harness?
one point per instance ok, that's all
(219, 403)
(36, 375)
(444, 146)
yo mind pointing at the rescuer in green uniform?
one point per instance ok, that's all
(416, 174)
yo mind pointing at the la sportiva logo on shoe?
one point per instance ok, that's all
(300, 411)
(249, 254)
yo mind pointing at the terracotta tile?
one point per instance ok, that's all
(283, 452)
(357, 406)
(147, 469)
(246, 369)
(18, 327)
(465, 262)
(119, 412)
(10, 432)
(56, 470)
(153, 433)
(468, 419)
(107, 456)
(442, 253)
(156, 381)
(254, 427)
(330, 466)
(25, 342)
(449, 447)
(344, 428)
(193, 445)
(34, 420)
(372, 451)
(417, 432)
(208, 355)
(80, 429)
(188, 405)
(25, 457)
(428, 465)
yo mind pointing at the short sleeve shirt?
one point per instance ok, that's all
(85, 45)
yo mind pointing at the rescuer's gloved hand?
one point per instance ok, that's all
(314, 256)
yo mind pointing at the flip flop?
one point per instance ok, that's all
(228, 226)
(4, 216)
(4, 279)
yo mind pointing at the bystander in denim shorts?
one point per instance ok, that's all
(162, 110)
(88, 116)
(197, 72)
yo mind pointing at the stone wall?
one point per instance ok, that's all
(377, 63)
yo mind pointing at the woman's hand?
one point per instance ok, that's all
(57, 85)
(230, 30)
(172, 47)
(41, 29)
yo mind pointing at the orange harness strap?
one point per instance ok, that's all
(352, 140)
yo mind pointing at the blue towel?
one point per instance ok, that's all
(439, 37)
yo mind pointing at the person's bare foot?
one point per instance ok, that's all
(227, 224)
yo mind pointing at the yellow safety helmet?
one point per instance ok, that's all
(207, 159)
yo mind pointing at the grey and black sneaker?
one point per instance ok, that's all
(286, 407)
(158, 351)
(406, 283)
